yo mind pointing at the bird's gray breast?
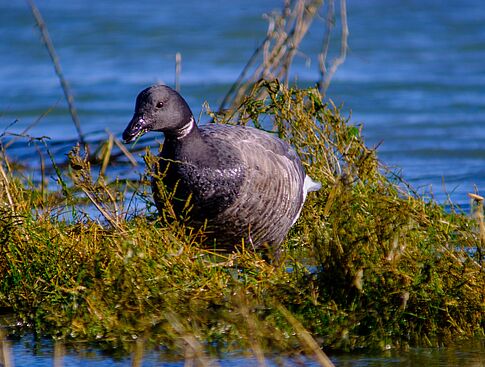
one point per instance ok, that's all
(211, 176)
(212, 189)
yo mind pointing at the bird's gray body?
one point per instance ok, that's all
(242, 183)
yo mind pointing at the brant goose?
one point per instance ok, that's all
(243, 183)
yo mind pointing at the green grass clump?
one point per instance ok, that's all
(395, 268)
(371, 263)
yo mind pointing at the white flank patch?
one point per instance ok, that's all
(308, 186)
(186, 129)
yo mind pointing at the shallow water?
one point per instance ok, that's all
(40, 354)
(414, 75)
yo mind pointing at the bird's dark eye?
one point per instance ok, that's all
(159, 104)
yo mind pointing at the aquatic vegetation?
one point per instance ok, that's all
(369, 264)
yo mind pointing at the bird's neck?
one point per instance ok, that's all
(186, 140)
(187, 132)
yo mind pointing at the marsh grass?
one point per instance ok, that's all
(370, 264)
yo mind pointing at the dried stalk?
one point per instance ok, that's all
(305, 337)
(178, 69)
(5, 185)
(285, 33)
(59, 353)
(5, 350)
(322, 56)
(194, 352)
(327, 75)
(57, 67)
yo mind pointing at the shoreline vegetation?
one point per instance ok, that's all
(370, 264)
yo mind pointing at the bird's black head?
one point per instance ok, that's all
(159, 108)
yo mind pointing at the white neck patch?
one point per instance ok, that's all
(186, 129)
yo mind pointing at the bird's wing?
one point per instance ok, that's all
(271, 196)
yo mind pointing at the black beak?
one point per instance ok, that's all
(137, 127)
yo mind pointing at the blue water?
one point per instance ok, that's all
(41, 354)
(414, 74)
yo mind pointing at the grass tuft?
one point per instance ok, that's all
(370, 264)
